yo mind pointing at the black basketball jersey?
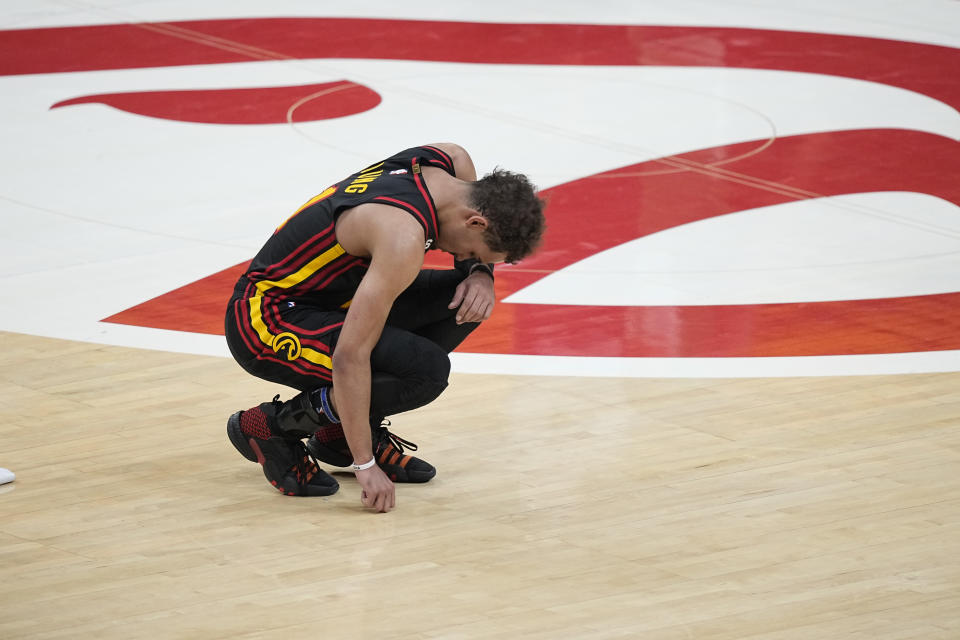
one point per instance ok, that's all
(304, 261)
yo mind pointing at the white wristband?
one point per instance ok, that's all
(365, 465)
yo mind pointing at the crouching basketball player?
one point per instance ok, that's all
(337, 305)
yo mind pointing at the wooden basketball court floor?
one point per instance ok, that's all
(752, 450)
(563, 508)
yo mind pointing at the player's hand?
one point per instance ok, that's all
(474, 297)
(377, 490)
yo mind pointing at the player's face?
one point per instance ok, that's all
(470, 245)
(466, 241)
(468, 250)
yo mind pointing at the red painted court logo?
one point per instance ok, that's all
(596, 212)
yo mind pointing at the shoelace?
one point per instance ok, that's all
(385, 435)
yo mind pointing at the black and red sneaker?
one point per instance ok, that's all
(328, 444)
(285, 461)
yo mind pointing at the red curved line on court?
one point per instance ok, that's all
(913, 66)
(887, 325)
(599, 212)
(261, 105)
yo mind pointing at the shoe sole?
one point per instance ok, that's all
(408, 477)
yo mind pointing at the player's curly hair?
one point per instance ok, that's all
(515, 213)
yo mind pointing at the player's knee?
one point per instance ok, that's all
(437, 367)
(418, 365)
(433, 374)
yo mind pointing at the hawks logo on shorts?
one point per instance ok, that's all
(289, 343)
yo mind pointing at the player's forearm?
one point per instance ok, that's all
(351, 383)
